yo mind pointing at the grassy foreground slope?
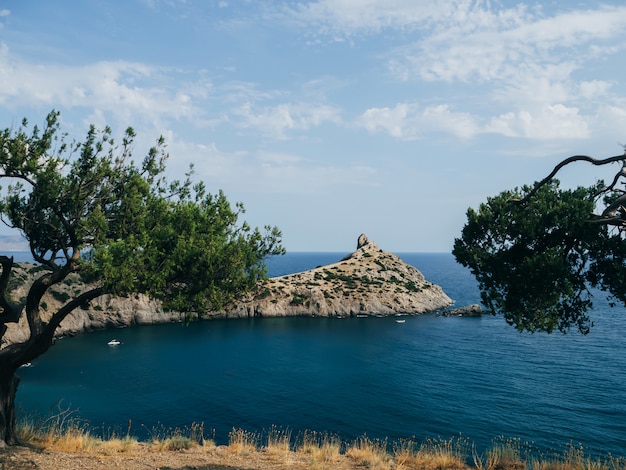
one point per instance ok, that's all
(59, 445)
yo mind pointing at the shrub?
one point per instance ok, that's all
(60, 296)
(298, 299)
(411, 286)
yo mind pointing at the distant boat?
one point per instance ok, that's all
(400, 321)
(114, 342)
(28, 364)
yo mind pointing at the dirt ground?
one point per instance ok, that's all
(143, 457)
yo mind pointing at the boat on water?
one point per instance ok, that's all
(114, 342)
(400, 321)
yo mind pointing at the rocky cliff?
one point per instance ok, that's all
(369, 281)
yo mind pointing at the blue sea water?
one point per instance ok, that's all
(429, 377)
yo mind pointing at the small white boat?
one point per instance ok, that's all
(114, 342)
(400, 321)
(28, 364)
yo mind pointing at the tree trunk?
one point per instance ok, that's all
(8, 389)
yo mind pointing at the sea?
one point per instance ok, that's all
(431, 377)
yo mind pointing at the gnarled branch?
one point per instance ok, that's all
(11, 311)
(578, 158)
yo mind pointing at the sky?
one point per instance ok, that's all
(332, 118)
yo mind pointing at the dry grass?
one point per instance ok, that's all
(320, 451)
(432, 454)
(574, 458)
(504, 454)
(178, 439)
(242, 442)
(68, 435)
(310, 450)
(512, 454)
(370, 453)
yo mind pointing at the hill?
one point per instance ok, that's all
(370, 281)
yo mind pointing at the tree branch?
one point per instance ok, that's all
(38, 345)
(617, 221)
(39, 288)
(11, 311)
(576, 158)
(69, 307)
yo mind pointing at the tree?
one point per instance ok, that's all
(538, 253)
(87, 208)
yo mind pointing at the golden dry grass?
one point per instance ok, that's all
(314, 451)
(432, 454)
(370, 454)
(242, 442)
(320, 451)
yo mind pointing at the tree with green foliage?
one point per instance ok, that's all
(88, 208)
(538, 253)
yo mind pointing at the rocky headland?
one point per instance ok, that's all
(370, 281)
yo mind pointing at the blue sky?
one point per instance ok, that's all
(330, 118)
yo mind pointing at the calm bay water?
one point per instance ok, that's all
(429, 377)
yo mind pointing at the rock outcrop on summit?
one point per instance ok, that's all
(369, 281)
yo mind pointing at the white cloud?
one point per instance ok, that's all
(610, 123)
(395, 121)
(534, 64)
(537, 85)
(468, 39)
(530, 60)
(551, 122)
(441, 118)
(497, 43)
(275, 121)
(594, 89)
(515, 71)
(268, 172)
(132, 92)
(407, 121)
(344, 18)
(117, 88)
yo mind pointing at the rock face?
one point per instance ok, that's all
(473, 310)
(369, 281)
(103, 313)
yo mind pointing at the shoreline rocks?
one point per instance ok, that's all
(473, 310)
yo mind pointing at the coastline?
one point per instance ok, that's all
(367, 282)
